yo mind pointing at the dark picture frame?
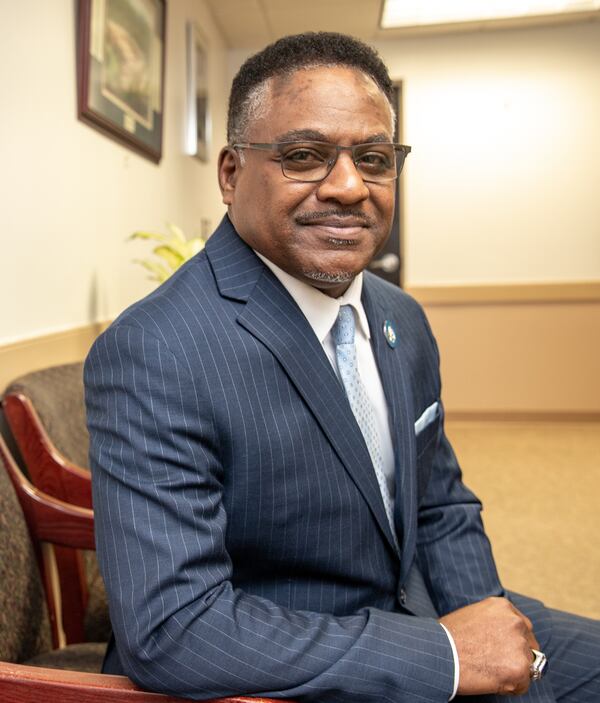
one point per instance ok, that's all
(121, 69)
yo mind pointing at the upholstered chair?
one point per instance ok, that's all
(46, 415)
(25, 632)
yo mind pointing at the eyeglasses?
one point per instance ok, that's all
(311, 162)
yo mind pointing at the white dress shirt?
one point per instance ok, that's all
(321, 311)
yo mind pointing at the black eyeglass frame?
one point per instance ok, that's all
(276, 146)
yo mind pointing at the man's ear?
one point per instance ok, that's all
(229, 166)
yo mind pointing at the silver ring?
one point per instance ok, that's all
(536, 670)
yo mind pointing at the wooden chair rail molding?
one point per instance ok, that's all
(39, 352)
(29, 684)
(507, 293)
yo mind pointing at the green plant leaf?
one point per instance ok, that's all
(159, 272)
(173, 258)
(150, 235)
(176, 231)
(179, 247)
(173, 248)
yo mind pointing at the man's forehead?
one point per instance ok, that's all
(307, 77)
(305, 86)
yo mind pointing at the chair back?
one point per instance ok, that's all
(56, 393)
(46, 414)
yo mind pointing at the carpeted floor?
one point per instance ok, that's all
(540, 487)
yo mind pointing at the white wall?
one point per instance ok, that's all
(70, 196)
(504, 180)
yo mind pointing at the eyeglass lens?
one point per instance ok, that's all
(311, 161)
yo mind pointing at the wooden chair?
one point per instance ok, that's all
(46, 416)
(49, 521)
(30, 669)
(28, 684)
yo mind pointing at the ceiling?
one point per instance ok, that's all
(249, 24)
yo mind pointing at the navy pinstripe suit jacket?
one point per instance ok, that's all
(240, 528)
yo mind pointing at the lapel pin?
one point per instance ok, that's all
(390, 334)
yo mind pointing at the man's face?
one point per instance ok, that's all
(321, 233)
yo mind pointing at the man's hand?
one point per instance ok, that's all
(494, 642)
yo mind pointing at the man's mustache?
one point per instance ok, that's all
(306, 218)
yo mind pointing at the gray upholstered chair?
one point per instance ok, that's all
(25, 624)
(46, 416)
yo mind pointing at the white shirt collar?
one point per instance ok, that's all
(320, 309)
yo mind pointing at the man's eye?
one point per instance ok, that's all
(303, 156)
(374, 160)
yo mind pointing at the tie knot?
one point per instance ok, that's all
(343, 328)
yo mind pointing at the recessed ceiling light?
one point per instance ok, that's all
(410, 13)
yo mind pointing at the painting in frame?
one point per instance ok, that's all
(121, 67)
(198, 122)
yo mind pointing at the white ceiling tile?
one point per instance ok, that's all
(242, 22)
(356, 17)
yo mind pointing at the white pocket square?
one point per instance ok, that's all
(427, 417)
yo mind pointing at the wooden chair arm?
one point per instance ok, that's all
(49, 519)
(50, 471)
(30, 684)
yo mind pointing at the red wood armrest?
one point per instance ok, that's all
(30, 684)
(49, 519)
(49, 469)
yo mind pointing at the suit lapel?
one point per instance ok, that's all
(272, 316)
(391, 363)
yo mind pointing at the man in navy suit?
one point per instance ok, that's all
(278, 509)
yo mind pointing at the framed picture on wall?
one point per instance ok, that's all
(121, 67)
(198, 123)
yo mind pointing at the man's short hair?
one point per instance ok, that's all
(292, 53)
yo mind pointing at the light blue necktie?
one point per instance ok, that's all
(342, 333)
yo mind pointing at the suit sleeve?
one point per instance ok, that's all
(179, 624)
(453, 550)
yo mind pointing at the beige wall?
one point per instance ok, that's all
(519, 358)
(69, 195)
(502, 183)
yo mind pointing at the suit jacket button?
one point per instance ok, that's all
(402, 596)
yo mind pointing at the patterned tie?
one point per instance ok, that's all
(342, 333)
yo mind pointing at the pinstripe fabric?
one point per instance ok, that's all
(240, 527)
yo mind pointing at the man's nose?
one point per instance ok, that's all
(344, 183)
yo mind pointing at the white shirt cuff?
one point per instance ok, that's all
(456, 664)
